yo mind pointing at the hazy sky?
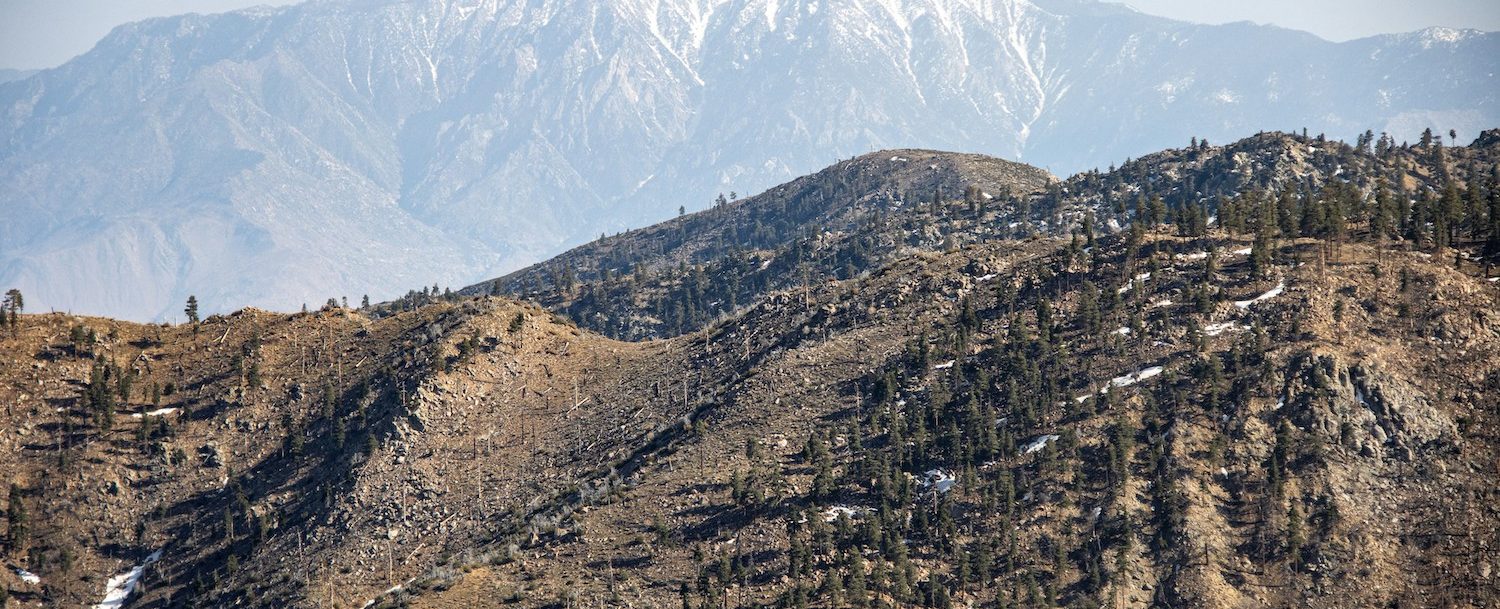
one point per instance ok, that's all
(45, 33)
(1333, 19)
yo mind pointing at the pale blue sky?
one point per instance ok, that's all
(45, 33)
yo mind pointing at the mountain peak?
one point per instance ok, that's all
(446, 141)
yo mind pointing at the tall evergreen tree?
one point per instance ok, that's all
(18, 523)
(13, 304)
(191, 310)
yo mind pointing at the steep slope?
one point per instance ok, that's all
(293, 458)
(1315, 438)
(281, 156)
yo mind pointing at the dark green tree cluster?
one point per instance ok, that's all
(109, 386)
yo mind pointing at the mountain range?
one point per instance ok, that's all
(278, 157)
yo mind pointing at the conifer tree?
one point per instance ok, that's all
(13, 304)
(18, 523)
(191, 310)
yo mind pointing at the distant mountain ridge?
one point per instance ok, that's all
(281, 156)
(8, 74)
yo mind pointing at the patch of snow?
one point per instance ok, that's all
(986, 278)
(117, 590)
(388, 591)
(1276, 291)
(831, 514)
(939, 480)
(1141, 278)
(1244, 251)
(1193, 256)
(28, 577)
(1037, 444)
(1123, 331)
(1220, 328)
(1124, 381)
(1134, 377)
(1444, 34)
(945, 365)
(155, 413)
(1494, 279)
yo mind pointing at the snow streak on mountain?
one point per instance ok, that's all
(281, 156)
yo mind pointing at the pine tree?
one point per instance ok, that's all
(1260, 251)
(18, 523)
(1088, 309)
(13, 304)
(191, 309)
(858, 595)
(1294, 537)
(1492, 246)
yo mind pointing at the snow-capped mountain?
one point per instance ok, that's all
(276, 157)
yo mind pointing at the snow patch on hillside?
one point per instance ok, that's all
(117, 590)
(155, 413)
(1038, 444)
(1274, 292)
(939, 480)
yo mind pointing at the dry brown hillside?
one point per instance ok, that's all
(484, 453)
(1352, 415)
(344, 453)
(866, 401)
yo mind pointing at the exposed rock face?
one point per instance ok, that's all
(208, 455)
(1489, 138)
(1366, 411)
